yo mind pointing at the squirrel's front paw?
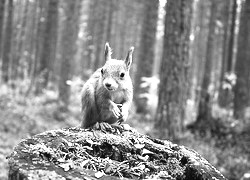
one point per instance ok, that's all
(115, 110)
(124, 114)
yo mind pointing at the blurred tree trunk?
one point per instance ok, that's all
(48, 53)
(197, 49)
(117, 18)
(20, 38)
(100, 33)
(31, 36)
(68, 45)
(7, 43)
(124, 18)
(2, 9)
(135, 33)
(90, 30)
(204, 107)
(147, 51)
(39, 40)
(174, 84)
(121, 20)
(226, 27)
(231, 37)
(242, 88)
(110, 20)
(226, 24)
(112, 35)
(224, 98)
(32, 44)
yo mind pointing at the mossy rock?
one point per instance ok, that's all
(75, 153)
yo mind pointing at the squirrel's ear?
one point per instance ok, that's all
(128, 60)
(107, 52)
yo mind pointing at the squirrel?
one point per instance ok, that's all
(107, 95)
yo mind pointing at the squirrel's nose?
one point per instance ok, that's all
(108, 85)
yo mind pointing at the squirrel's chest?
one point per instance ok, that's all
(117, 97)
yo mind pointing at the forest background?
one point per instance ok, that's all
(190, 70)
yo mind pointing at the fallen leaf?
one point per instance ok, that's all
(139, 146)
(90, 141)
(145, 158)
(145, 151)
(108, 170)
(61, 160)
(83, 163)
(88, 148)
(65, 166)
(99, 174)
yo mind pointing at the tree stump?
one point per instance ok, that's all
(75, 153)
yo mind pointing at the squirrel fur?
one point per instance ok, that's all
(108, 93)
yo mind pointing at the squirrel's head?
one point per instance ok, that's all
(115, 73)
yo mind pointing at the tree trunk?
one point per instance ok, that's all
(222, 100)
(2, 10)
(7, 43)
(147, 51)
(100, 33)
(225, 93)
(117, 19)
(32, 45)
(242, 88)
(48, 53)
(20, 38)
(174, 84)
(204, 108)
(198, 47)
(90, 30)
(123, 29)
(68, 45)
(75, 153)
(111, 10)
(42, 7)
(231, 37)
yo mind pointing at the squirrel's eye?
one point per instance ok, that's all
(102, 71)
(122, 75)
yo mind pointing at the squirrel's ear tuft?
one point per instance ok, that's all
(107, 52)
(128, 60)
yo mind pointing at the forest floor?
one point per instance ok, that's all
(22, 117)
